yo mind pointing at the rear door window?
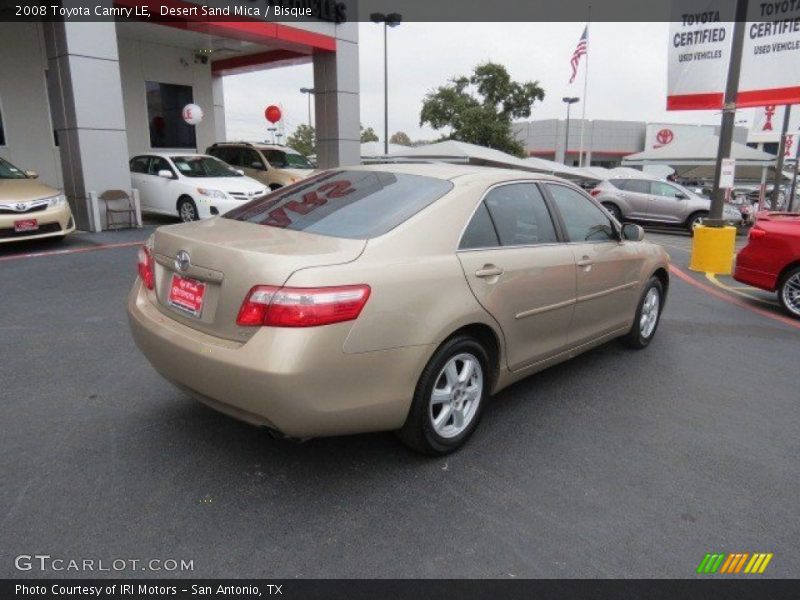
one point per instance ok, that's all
(139, 164)
(666, 190)
(346, 204)
(638, 186)
(480, 233)
(520, 215)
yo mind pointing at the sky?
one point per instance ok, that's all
(627, 74)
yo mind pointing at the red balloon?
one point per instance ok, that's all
(273, 113)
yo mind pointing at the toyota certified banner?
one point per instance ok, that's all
(699, 52)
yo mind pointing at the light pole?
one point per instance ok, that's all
(569, 101)
(390, 20)
(309, 91)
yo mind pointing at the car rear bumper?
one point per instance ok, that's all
(297, 381)
(754, 277)
(53, 222)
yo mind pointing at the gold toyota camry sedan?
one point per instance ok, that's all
(30, 210)
(390, 297)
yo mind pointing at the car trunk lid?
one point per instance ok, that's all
(219, 260)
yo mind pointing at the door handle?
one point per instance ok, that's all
(585, 262)
(489, 271)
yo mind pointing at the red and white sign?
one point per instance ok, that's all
(187, 295)
(700, 47)
(26, 225)
(768, 122)
(192, 114)
(727, 174)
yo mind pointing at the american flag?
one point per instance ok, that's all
(580, 50)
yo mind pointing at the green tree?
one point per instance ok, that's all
(368, 135)
(479, 109)
(304, 140)
(400, 138)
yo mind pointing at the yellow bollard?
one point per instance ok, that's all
(713, 249)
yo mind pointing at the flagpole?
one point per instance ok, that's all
(585, 82)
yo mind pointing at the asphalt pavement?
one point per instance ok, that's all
(615, 464)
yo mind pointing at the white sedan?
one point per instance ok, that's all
(191, 186)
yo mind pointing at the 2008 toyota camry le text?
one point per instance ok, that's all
(390, 297)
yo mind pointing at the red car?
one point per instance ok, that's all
(771, 259)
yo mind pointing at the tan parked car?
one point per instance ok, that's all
(29, 209)
(390, 298)
(274, 166)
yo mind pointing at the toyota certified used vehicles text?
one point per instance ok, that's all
(771, 259)
(390, 298)
(29, 209)
(191, 186)
(659, 202)
(274, 166)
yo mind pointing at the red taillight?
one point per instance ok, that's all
(595, 193)
(301, 307)
(146, 267)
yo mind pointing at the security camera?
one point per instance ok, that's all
(200, 58)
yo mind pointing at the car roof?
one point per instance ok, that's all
(450, 171)
(171, 154)
(259, 146)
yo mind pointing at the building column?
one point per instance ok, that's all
(88, 112)
(336, 101)
(218, 96)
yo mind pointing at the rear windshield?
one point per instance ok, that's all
(345, 204)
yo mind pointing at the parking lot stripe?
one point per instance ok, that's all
(732, 299)
(736, 290)
(70, 251)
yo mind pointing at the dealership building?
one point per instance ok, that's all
(605, 143)
(78, 99)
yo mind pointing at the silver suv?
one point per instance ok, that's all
(656, 201)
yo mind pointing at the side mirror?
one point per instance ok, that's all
(31, 174)
(633, 233)
(166, 174)
(239, 171)
(257, 165)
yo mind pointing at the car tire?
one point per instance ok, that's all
(274, 186)
(187, 210)
(648, 315)
(428, 429)
(614, 210)
(695, 219)
(789, 292)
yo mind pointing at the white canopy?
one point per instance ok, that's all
(455, 151)
(370, 149)
(695, 159)
(550, 166)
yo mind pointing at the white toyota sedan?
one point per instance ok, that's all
(191, 186)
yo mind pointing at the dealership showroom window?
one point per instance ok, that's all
(304, 303)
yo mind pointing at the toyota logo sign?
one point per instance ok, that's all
(665, 136)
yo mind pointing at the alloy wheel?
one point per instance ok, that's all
(790, 293)
(649, 316)
(456, 395)
(188, 212)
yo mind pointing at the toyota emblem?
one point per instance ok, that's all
(182, 261)
(665, 136)
(21, 206)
